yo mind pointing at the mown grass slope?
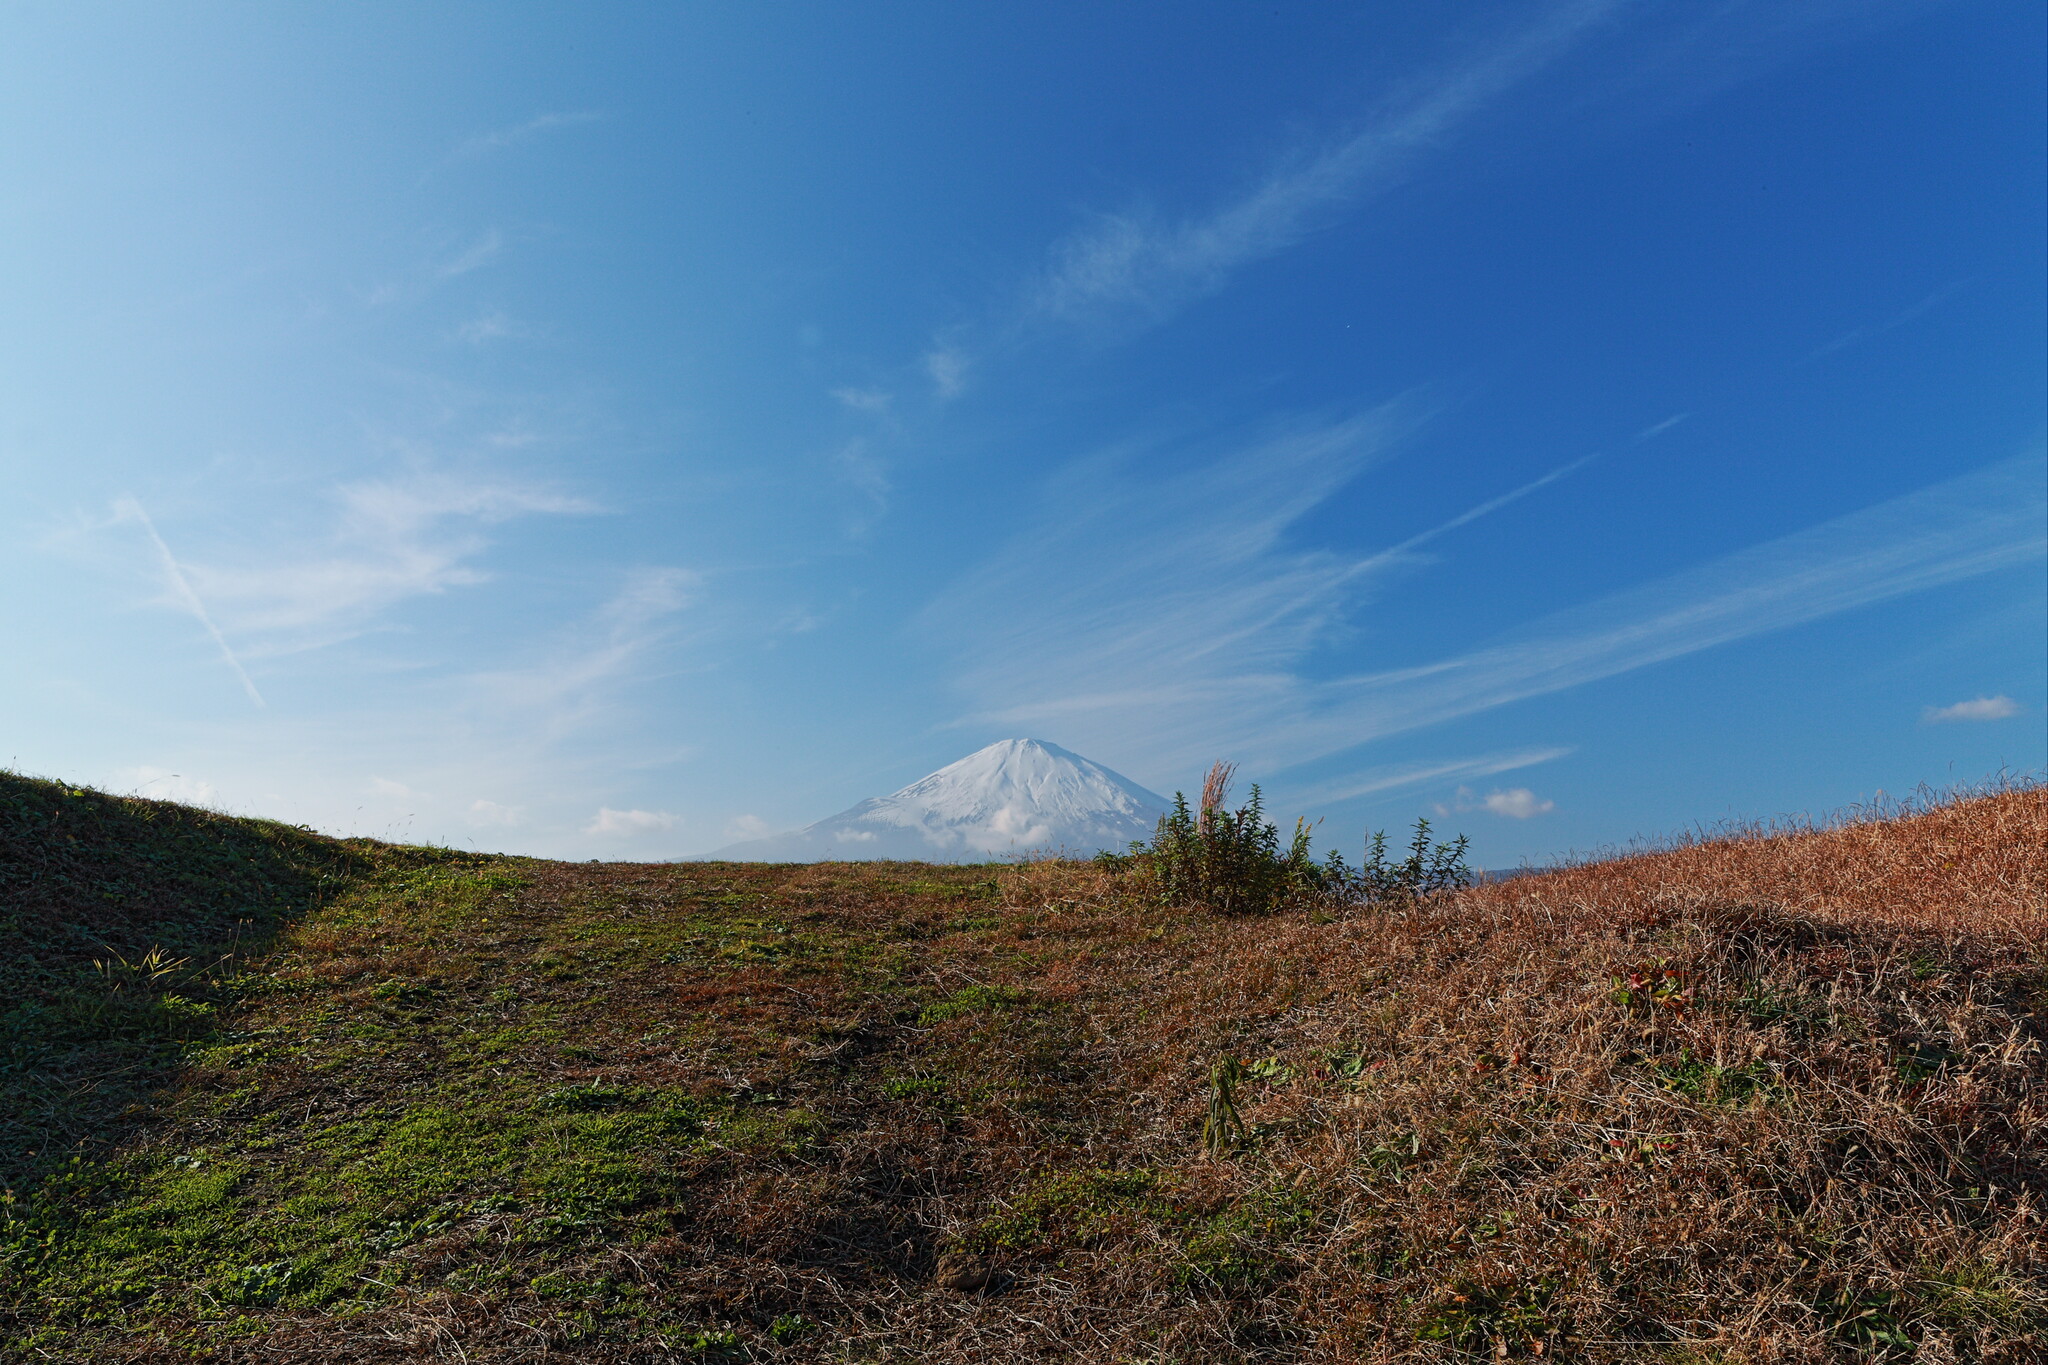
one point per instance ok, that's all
(1763, 1099)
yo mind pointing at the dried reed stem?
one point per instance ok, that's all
(1215, 792)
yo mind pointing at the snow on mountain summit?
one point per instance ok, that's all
(1018, 781)
(1016, 796)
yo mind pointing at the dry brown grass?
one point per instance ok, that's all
(1773, 1098)
(1869, 996)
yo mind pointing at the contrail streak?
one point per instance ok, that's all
(129, 507)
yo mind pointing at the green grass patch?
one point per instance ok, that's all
(973, 1000)
(1699, 1079)
(1061, 1209)
(1243, 1248)
(174, 1231)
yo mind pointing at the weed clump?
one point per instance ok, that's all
(1232, 860)
(1431, 866)
(1229, 860)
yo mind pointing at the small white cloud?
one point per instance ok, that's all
(1516, 803)
(2000, 707)
(746, 827)
(161, 784)
(948, 368)
(384, 786)
(863, 400)
(491, 813)
(630, 823)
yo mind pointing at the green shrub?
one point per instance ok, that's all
(1429, 867)
(1232, 861)
(1229, 860)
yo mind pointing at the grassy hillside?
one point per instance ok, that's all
(1768, 1099)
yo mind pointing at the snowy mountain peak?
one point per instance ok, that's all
(1026, 775)
(1016, 796)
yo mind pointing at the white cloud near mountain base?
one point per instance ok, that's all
(742, 827)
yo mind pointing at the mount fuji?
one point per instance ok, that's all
(1017, 796)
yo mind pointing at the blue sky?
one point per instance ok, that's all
(613, 431)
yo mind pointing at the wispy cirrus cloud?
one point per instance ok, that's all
(946, 367)
(862, 400)
(1857, 335)
(1125, 265)
(579, 665)
(1144, 596)
(388, 541)
(1130, 267)
(492, 326)
(1975, 524)
(1173, 621)
(514, 133)
(859, 469)
(1373, 781)
(475, 256)
(438, 263)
